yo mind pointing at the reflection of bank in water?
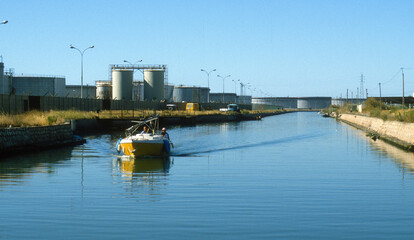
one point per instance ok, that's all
(17, 167)
(403, 158)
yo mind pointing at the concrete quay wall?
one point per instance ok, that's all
(396, 132)
(33, 138)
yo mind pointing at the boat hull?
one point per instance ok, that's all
(142, 148)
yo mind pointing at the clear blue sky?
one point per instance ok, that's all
(284, 48)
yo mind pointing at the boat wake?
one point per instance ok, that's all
(248, 145)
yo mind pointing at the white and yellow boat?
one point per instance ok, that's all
(150, 143)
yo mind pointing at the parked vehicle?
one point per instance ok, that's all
(172, 107)
(233, 108)
(191, 107)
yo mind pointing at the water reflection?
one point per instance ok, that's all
(403, 158)
(14, 169)
(144, 174)
(136, 166)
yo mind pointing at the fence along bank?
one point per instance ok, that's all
(15, 104)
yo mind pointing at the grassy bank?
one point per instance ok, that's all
(36, 118)
(373, 108)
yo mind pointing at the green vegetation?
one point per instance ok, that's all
(377, 109)
(36, 118)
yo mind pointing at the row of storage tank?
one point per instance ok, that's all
(153, 88)
(122, 85)
(295, 102)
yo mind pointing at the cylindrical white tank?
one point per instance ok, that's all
(122, 84)
(168, 92)
(103, 90)
(153, 85)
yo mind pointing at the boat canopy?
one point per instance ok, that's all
(152, 123)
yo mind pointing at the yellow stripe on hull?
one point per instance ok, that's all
(142, 149)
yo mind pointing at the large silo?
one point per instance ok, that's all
(153, 85)
(168, 92)
(314, 102)
(204, 92)
(103, 90)
(122, 84)
(183, 94)
(190, 94)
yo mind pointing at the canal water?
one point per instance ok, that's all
(290, 176)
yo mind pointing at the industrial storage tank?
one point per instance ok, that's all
(190, 94)
(122, 84)
(276, 101)
(223, 97)
(153, 85)
(168, 92)
(314, 102)
(103, 89)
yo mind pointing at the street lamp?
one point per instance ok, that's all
(235, 85)
(4, 22)
(223, 82)
(133, 65)
(208, 81)
(81, 53)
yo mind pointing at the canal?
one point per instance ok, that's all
(290, 176)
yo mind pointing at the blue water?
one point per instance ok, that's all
(291, 176)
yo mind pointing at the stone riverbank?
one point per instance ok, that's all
(26, 139)
(397, 133)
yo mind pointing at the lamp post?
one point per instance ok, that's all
(133, 64)
(208, 82)
(235, 84)
(223, 82)
(81, 53)
(3, 22)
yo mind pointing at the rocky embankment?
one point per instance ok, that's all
(27, 139)
(398, 133)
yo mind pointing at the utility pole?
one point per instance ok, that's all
(361, 89)
(366, 93)
(357, 96)
(347, 100)
(402, 71)
(379, 84)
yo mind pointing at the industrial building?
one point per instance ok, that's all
(295, 102)
(190, 94)
(223, 97)
(33, 85)
(244, 99)
(342, 101)
(74, 91)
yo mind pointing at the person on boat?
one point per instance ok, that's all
(164, 134)
(144, 130)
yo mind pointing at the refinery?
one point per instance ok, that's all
(21, 93)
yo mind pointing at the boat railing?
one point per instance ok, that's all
(152, 124)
